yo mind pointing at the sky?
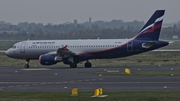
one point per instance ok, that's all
(62, 11)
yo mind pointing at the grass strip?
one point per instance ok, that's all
(85, 96)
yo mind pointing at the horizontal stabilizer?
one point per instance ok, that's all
(148, 44)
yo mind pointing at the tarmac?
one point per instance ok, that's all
(63, 79)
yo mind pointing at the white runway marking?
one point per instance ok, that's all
(36, 69)
(28, 84)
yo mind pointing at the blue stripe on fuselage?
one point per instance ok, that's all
(122, 51)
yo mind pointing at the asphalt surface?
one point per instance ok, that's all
(39, 79)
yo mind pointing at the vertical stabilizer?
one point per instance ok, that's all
(152, 28)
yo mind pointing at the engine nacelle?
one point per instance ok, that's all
(49, 59)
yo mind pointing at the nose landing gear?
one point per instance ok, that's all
(27, 63)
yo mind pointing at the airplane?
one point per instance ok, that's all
(71, 52)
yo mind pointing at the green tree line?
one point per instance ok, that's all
(87, 30)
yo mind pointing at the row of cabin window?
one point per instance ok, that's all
(73, 46)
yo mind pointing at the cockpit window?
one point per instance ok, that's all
(13, 46)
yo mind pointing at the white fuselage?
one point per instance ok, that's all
(33, 49)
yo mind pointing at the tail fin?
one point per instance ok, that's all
(152, 28)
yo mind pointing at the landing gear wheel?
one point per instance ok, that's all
(73, 65)
(87, 65)
(26, 66)
(27, 63)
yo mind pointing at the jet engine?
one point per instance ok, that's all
(49, 59)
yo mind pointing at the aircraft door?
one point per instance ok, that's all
(130, 46)
(22, 48)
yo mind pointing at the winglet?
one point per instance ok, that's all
(65, 47)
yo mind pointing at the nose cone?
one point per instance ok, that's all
(8, 53)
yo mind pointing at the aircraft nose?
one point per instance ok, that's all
(7, 53)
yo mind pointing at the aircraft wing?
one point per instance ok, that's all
(63, 52)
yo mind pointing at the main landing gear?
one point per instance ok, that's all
(87, 64)
(27, 63)
(73, 65)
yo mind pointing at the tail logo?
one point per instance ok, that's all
(152, 27)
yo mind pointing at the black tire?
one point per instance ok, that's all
(88, 65)
(73, 65)
(26, 66)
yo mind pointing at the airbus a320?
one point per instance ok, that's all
(71, 52)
